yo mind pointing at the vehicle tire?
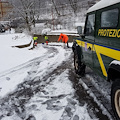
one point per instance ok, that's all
(78, 65)
(115, 98)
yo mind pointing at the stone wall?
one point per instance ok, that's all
(53, 38)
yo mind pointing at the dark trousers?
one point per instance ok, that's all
(67, 45)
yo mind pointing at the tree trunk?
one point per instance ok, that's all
(55, 8)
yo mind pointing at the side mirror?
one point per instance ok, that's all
(79, 30)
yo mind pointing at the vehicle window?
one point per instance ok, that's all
(109, 18)
(89, 30)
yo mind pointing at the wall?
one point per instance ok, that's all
(53, 38)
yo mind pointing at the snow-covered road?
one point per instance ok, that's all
(46, 88)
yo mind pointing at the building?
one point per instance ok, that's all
(5, 8)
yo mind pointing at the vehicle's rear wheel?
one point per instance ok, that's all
(78, 65)
(115, 98)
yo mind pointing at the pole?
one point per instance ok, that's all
(52, 18)
(1, 8)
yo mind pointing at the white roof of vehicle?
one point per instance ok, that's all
(102, 4)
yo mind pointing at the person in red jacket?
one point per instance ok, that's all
(64, 39)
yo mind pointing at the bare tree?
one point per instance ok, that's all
(28, 10)
(53, 2)
(73, 4)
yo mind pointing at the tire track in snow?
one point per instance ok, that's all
(95, 92)
(35, 83)
(29, 63)
(16, 100)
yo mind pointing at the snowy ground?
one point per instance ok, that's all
(36, 85)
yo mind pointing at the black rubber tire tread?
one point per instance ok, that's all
(114, 88)
(81, 67)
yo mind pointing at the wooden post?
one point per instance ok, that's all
(1, 9)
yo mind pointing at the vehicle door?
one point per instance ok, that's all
(107, 41)
(88, 40)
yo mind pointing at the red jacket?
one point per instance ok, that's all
(63, 37)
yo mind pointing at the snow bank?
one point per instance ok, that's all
(11, 56)
(115, 62)
(64, 31)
